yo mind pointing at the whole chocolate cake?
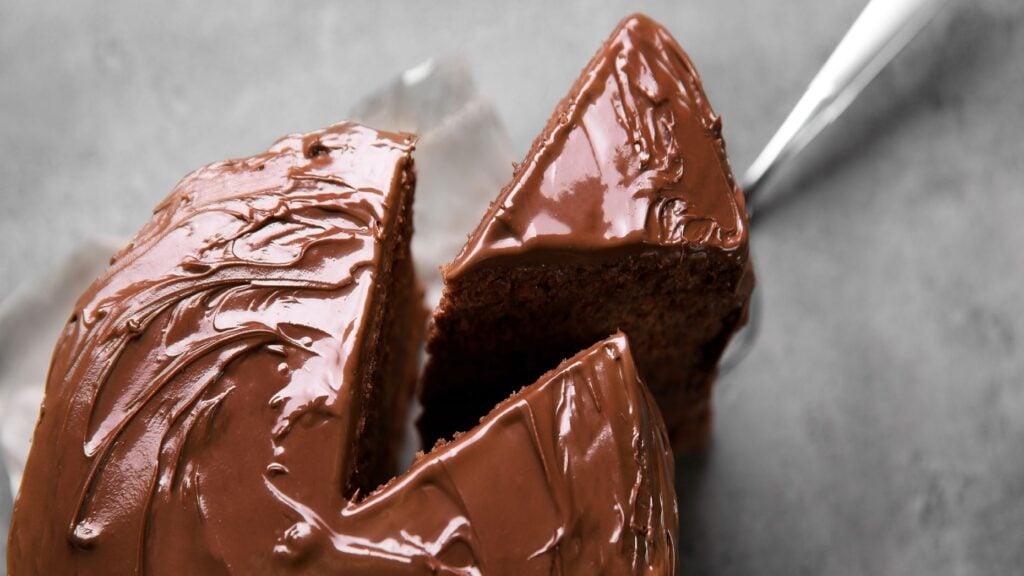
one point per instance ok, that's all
(624, 215)
(229, 395)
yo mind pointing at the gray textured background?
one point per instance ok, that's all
(878, 427)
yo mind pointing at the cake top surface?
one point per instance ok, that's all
(633, 155)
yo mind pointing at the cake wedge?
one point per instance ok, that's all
(623, 215)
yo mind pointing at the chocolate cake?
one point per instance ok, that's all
(624, 215)
(228, 396)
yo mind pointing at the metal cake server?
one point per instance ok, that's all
(877, 36)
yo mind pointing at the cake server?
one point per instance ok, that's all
(877, 36)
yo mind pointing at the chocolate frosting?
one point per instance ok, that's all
(204, 404)
(633, 156)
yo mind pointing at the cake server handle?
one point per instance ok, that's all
(881, 32)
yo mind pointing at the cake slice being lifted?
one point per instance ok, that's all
(624, 215)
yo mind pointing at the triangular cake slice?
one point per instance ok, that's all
(624, 215)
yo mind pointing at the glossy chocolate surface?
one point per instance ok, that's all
(572, 475)
(204, 401)
(633, 156)
(208, 383)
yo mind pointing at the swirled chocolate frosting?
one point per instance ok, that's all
(633, 157)
(213, 393)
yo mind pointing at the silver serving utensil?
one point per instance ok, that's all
(880, 33)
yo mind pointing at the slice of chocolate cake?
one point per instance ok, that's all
(624, 215)
(252, 348)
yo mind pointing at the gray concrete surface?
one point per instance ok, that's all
(877, 428)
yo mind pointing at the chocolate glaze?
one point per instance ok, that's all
(633, 156)
(214, 368)
(204, 403)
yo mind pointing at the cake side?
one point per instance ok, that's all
(390, 358)
(632, 156)
(220, 363)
